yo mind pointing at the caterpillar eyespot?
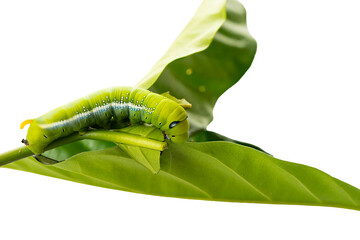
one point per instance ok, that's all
(173, 124)
(103, 108)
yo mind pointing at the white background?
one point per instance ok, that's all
(299, 101)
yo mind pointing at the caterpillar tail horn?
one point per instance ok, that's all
(26, 122)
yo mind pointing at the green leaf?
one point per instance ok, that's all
(203, 76)
(195, 37)
(207, 136)
(220, 171)
(149, 158)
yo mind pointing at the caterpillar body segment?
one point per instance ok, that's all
(105, 109)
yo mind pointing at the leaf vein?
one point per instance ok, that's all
(189, 183)
(345, 192)
(299, 182)
(237, 174)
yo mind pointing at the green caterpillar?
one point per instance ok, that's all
(105, 109)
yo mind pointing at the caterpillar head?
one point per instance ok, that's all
(177, 126)
(178, 131)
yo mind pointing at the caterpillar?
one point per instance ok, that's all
(107, 108)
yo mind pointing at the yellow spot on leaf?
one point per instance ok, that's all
(202, 88)
(189, 71)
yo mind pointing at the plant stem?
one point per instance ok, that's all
(125, 138)
(13, 155)
(110, 136)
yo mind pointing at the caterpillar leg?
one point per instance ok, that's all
(166, 137)
(45, 160)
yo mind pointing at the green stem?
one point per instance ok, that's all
(110, 136)
(125, 138)
(13, 155)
